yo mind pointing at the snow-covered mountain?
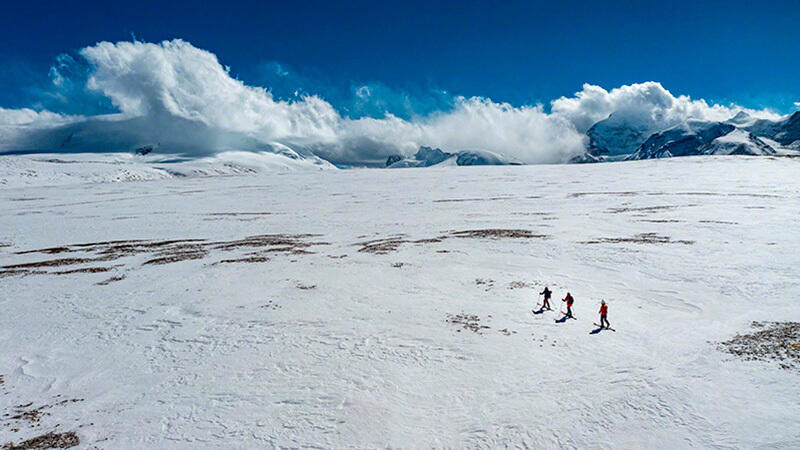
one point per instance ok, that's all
(427, 157)
(701, 138)
(785, 131)
(631, 138)
(738, 142)
(619, 135)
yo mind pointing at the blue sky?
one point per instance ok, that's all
(418, 54)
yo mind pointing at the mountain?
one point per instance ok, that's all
(696, 137)
(483, 158)
(618, 135)
(785, 131)
(738, 142)
(788, 131)
(427, 156)
(634, 137)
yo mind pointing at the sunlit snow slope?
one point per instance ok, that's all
(315, 308)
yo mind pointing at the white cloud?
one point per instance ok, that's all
(525, 133)
(26, 117)
(180, 80)
(16, 124)
(645, 102)
(182, 97)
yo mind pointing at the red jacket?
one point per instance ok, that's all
(569, 300)
(603, 310)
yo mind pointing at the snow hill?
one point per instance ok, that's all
(66, 168)
(367, 308)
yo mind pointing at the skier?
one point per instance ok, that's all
(604, 315)
(547, 293)
(569, 301)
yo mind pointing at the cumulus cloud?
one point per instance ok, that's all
(648, 102)
(179, 80)
(182, 98)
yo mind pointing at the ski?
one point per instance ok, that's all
(605, 328)
(571, 317)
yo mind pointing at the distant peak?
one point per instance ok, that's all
(740, 116)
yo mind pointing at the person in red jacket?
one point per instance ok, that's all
(569, 301)
(604, 315)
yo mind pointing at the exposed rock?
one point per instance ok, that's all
(393, 159)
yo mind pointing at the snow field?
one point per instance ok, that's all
(345, 348)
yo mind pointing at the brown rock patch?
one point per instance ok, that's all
(47, 440)
(770, 341)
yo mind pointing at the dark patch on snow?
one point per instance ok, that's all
(387, 245)
(384, 246)
(644, 209)
(487, 283)
(452, 200)
(467, 321)
(285, 241)
(721, 222)
(32, 416)
(110, 280)
(270, 305)
(520, 285)
(616, 194)
(83, 270)
(51, 250)
(56, 262)
(247, 259)
(12, 272)
(162, 252)
(498, 233)
(47, 440)
(771, 341)
(239, 215)
(641, 238)
(178, 253)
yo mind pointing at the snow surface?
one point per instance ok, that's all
(346, 348)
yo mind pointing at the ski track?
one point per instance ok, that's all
(319, 350)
